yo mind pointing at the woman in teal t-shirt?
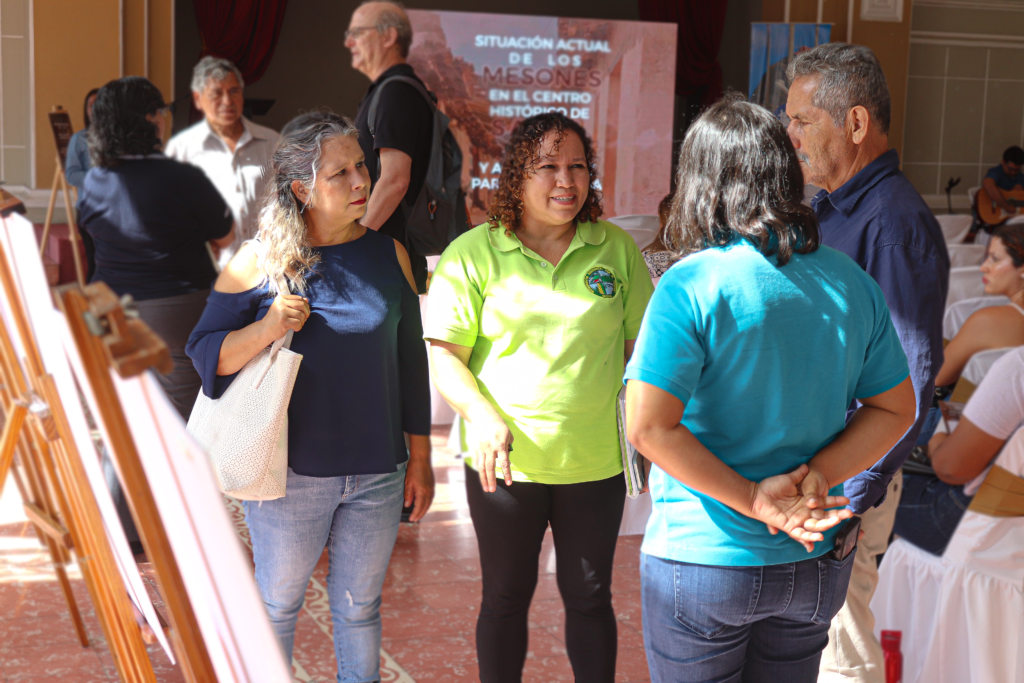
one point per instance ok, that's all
(752, 349)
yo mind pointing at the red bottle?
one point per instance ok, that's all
(893, 656)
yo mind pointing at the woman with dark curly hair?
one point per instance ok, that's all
(531, 318)
(150, 218)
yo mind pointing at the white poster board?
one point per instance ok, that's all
(26, 268)
(216, 573)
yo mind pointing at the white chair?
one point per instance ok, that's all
(975, 370)
(957, 314)
(906, 599)
(964, 283)
(972, 192)
(978, 632)
(641, 227)
(965, 255)
(955, 226)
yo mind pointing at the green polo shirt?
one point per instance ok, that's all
(547, 341)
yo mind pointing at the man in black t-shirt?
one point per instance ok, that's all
(398, 153)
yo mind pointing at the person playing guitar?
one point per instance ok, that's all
(1002, 192)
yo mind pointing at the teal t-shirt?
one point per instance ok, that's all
(766, 360)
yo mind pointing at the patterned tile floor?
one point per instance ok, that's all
(431, 598)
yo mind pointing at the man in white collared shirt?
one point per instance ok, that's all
(233, 152)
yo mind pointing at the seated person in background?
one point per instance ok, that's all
(996, 326)
(1005, 176)
(656, 254)
(931, 506)
(232, 151)
(77, 163)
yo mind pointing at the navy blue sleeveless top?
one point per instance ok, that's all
(363, 378)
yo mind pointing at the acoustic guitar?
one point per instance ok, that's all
(990, 214)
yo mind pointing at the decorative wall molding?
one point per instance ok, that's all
(967, 39)
(881, 10)
(999, 5)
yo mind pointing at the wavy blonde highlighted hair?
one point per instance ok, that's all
(286, 253)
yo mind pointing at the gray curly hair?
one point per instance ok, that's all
(216, 68)
(286, 252)
(848, 76)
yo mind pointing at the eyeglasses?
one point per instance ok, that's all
(353, 32)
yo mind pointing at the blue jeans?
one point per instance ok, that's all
(708, 624)
(929, 512)
(356, 518)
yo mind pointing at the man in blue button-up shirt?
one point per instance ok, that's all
(839, 109)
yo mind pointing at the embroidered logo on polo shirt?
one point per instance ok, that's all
(601, 282)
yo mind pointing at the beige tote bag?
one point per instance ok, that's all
(245, 431)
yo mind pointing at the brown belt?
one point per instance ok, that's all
(1001, 494)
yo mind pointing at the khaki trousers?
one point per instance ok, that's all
(853, 653)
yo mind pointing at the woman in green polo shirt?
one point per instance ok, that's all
(530, 320)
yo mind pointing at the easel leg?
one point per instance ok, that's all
(62, 556)
(69, 598)
(73, 235)
(9, 439)
(40, 496)
(49, 210)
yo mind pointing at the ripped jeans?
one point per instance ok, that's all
(356, 518)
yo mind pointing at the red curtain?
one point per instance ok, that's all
(244, 31)
(701, 23)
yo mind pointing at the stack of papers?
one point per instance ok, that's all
(632, 461)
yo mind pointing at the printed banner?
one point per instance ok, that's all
(616, 78)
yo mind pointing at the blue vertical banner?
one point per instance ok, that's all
(772, 46)
(805, 37)
(758, 56)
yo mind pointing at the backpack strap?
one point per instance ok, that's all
(371, 115)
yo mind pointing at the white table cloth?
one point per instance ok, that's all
(979, 623)
(906, 600)
(642, 228)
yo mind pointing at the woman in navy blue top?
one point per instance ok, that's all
(362, 382)
(147, 220)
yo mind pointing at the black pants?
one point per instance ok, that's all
(510, 526)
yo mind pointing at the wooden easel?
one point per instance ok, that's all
(60, 122)
(62, 346)
(63, 506)
(107, 338)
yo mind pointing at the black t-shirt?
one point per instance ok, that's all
(404, 122)
(150, 220)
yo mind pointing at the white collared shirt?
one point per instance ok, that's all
(240, 177)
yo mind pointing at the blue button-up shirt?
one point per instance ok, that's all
(880, 221)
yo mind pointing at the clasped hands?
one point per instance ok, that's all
(798, 504)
